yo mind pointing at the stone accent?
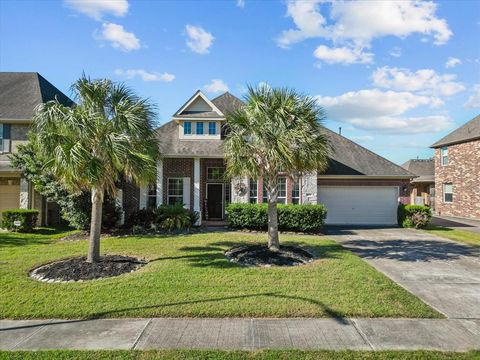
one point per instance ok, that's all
(236, 196)
(24, 194)
(463, 171)
(308, 191)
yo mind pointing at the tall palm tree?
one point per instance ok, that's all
(90, 146)
(278, 130)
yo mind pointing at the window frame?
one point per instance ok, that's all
(221, 178)
(280, 199)
(152, 195)
(214, 123)
(444, 190)
(295, 192)
(180, 179)
(444, 155)
(2, 129)
(199, 124)
(253, 198)
(185, 123)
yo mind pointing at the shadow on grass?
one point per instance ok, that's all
(42, 235)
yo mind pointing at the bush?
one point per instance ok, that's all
(414, 216)
(164, 218)
(305, 217)
(27, 218)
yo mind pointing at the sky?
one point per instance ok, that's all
(396, 76)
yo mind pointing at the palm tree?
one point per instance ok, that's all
(109, 134)
(278, 130)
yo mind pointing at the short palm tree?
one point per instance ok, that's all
(109, 134)
(277, 131)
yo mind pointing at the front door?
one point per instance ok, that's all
(215, 201)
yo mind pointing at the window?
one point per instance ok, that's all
(152, 196)
(448, 193)
(212, 128)
(295, 192)
(282, 191)
(187, 128)
(199, 128)
(215, 173)
(175, 191)
(444, 155)
(1, 138)
(253, 191)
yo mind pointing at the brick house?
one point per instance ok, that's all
(422, 188)
(359, 187)
(457, 172)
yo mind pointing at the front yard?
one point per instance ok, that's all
(188, 276)
(463, 236)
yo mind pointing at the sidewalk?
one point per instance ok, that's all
(241, 334)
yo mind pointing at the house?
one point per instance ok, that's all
(20, 93)
(457, 172)
(422, 188)
(359, 186)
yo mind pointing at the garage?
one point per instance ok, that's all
(360, 205)
(9, 197)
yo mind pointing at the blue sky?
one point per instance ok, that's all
(396, 76)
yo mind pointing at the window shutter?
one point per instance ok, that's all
(186, 192)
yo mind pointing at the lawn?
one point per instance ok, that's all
(188, 276)
(466, 237)
(240, 355)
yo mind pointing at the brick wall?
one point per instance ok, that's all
(463, 171)
(181, 167)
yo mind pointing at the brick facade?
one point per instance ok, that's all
(181, 167)
(463, 172)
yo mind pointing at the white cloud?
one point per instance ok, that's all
(216, 86)
(384, 111)
(425, 81)
(97, 8)
(342, 55)
(119, 38)
(241, 3)
(474, 99)
(396, 52)
(145, 75)
(452, 62)
(199, 40)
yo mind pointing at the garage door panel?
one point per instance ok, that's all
(359, 205)
(9, 197)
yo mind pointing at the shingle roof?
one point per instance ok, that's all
(467, 132)
(21, 92)
(227, 102)
(424, 168)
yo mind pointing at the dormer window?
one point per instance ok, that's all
(212, 128)
(187, 128)
(199, 128)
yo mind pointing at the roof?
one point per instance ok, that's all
(424, 168)
(198, 106)
(468, 132)
(21, 92)
(227, 102)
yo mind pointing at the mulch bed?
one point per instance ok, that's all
(261, 255)
(76, 269)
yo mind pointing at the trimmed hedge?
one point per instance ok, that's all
(27, 218)
(304, 217)
(414, 216)
(163, 218)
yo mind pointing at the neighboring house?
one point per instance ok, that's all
(422, 188)
(359, 187)
(457, 172)
(20, 93)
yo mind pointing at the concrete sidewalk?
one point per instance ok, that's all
(241, 334)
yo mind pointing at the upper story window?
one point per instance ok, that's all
(212, 128)
(444, 155)
(448, 193)
(295, 192)
(187, 128)
(199, 128)
(253, 191)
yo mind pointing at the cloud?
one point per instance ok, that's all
(474, 99)
(396, 52)
(424, 81)
(199, 40)
(452, 62)
(145, 75)
(97, 8)
(241, 3)
(342, 55)
(119, 38)
(216, 86)
(384, 111)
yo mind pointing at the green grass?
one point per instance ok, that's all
(466, 237)
(239, 355)
(188, 276)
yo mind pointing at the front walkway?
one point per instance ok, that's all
(457, 223)
(241, 334)
(443, 273)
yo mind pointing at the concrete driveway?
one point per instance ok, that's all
(443, 273)
(454, 223)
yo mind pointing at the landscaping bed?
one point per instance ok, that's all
(261, 255)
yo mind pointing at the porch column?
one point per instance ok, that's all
(24, 194)
(196, 189)
(160, 183)
(309, 188)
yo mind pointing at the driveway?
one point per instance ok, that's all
(455, 223)
(443, 273)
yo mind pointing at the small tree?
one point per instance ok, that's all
(278, 130)
(109, 133)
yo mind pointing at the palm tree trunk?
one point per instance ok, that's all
(273, 242)
(95, 225)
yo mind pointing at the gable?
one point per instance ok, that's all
(198, 106)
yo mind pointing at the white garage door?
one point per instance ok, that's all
(9, 197)
(360, 205)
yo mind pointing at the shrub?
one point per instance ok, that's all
(165, 218)
(305, 217)
(414, 216)
(26, 217)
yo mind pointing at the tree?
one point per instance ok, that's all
(88, 147)
(276, 131)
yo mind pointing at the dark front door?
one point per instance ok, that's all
(215, 201)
